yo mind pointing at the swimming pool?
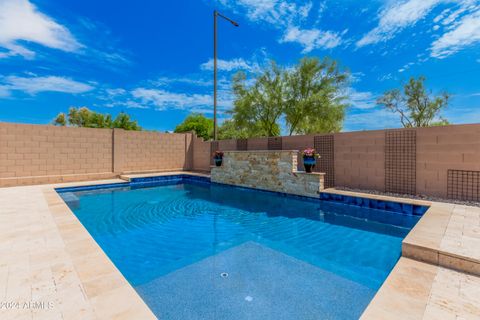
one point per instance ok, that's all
(196, 250)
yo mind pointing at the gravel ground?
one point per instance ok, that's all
(418, 197)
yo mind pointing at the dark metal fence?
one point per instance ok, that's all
(463, 185)
(400, 161)
(324, 145)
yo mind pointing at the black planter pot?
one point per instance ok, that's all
(309, 164)
(309, 167)
(218, 161)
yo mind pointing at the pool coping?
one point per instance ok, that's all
(432, 240)
(94, 274)
(49, 259)
(93, 266)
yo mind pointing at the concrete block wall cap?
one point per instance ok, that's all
(310, 173)
(254, 151)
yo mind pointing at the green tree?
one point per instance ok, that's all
(84, 117)
(123, 121)
(60, 120)
(416, 106)
(230, 130)
(259, 107)
(314, 100)
(308, 97)
(198, 123)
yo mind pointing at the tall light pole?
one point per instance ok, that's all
(215, 15)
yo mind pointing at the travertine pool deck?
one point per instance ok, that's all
(447, 235)
(50, 266)
(47, 256)
(438, 274)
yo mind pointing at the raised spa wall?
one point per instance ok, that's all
(273, 170)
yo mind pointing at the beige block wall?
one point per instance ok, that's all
(33, 150)
(153, 151)
(442, 148)
(257, 144)
(32, 154)
(360, 160)
(201, 154)
(35, 154)
(227, 145)
(360, 156)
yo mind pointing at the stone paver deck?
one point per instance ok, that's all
(50, 266)
(447, 235)
(418, 290)
(47, 256)
(438, 275)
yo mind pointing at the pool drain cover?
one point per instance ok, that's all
(223, 274)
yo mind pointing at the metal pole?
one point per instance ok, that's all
(215, 15)
(215, 75)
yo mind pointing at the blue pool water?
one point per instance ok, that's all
(196, 250)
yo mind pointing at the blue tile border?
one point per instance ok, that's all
(402, 208)
(170, 178)
(146, 181)
(281, 194)
(93, 187)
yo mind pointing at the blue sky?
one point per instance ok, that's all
(152, 59)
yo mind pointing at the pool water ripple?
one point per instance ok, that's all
(153, 231)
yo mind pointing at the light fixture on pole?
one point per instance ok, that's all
(215, 15)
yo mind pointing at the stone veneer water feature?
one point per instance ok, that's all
(273, 170)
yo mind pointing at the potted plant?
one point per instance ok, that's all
(218, 158)
(309, 159)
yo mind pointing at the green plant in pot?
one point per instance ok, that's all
(218, 158)
(309, 159)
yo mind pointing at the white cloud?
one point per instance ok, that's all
(356, 76)
(312, 39)
(193, 81)
(4, 92)
(361, 99)
(450, 20)
(131, 104)
(163, 99)
(371, 119)
(21, 21)
(275, 12)
(115, 92)
(288, 16)
(33, 85)
(230, 65)
(160, 95)
(117, 97)
(465, 34)
(396, 17)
